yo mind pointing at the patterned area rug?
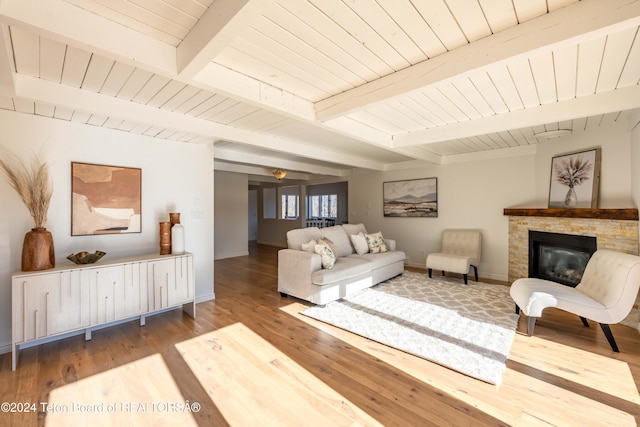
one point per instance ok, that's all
(468, 328)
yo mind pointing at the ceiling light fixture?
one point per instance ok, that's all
(553, 133)
(279, 174)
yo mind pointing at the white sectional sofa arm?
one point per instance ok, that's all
(390, 243)
(295, 268)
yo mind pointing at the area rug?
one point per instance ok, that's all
(467, 328)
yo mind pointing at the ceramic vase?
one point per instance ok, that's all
(177, 239)
(37, 250)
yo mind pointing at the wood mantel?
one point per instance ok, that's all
(630, 214)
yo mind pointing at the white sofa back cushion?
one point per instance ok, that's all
(339, 238)
(296, 238)
(354, 228)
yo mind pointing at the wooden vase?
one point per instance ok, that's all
(37, 250)
(165, 238)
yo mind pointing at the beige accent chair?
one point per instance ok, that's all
(461, 249)
(605, 294)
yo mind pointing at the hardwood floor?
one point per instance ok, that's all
(250, 359)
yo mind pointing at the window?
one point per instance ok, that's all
(289, 206)
(289, 197)
(323, 206)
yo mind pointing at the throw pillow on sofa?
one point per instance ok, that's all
(376, 243)
(360, 243)
(310, 246)
(327, 255)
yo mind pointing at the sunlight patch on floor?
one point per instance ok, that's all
(531, 401)
(602, 373)
(253, 383)
(141, 393)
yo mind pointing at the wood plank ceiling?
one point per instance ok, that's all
(321, 87)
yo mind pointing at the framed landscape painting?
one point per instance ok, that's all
(411, 198)
(575, 180)
(105, 199)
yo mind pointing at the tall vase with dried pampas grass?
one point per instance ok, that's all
(33, 185)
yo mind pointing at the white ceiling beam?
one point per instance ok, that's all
(109, 106)
(273, 162)
(420, 154)
(257, 171)
(240, 86)
(223, 21)
(231, 83)
(585, 106)
(580, 21)
(64, 22)
(7, 66)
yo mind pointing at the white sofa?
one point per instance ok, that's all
(300, 273)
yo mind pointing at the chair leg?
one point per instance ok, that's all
(475, 271)
(430, 270)
(531, 323)
(464, 276)
(609, 335)
(584, 321)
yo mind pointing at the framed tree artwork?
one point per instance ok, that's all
(105, 199)
(575, 180)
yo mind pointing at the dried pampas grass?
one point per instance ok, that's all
(32, 184)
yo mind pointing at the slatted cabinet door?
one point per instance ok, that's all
(162, 276)
(131, 294)
(181, 290)
(106, 280)
(51, 304)
(171, 282)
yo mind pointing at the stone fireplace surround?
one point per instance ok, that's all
(615, 229)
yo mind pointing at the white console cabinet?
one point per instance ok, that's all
(61, 300)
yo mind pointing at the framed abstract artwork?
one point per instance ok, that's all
(575, 180)
(411, 198)
(105, 199)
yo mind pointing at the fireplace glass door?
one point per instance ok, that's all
(560, 258)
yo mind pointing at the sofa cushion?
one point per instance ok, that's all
(381, 259)
(354, 229)
(359, 243)
(326, 254)
(376, 243)
(339, 238)
(296, 238)
(344, 268)
(309, 246)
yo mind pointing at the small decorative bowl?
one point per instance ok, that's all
(85, 257)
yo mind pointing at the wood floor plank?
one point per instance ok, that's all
(275, 360)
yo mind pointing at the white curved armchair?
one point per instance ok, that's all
(606, 293)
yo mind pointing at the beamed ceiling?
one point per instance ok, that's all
(325, 87)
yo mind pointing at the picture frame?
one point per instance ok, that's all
(415, 198)
(575, 179)
(105, 199)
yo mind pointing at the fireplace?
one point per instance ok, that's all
(559, 257)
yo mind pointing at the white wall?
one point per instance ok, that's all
(253, 214)
(615, 170)
(473, 194)
(176, 177)
(231, 215)
(470, 195)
